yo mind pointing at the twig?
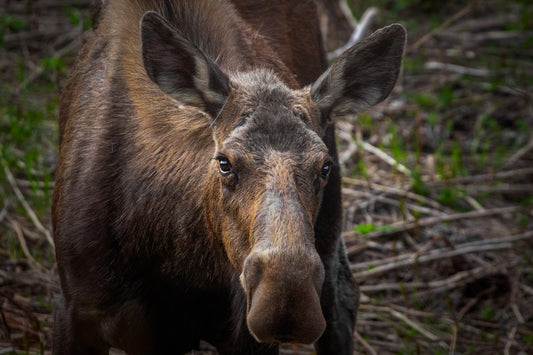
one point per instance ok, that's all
(40, 69)
(3, 213)
(446, 24)
(359, 29)
(367, 346)
(460, 278)
(473, 301)
(27, 207)
(520, 153)
(504, 188)
(518, 315)
(390, 201)
(475, 39)
(484, 177)
(45, 5)
(385, 157)
(349, 151)
(415, 325)
(453, 341)
(479, 25)
(347, 12)
(408, 321)
(33, 320)
(472, 202)
(396, 191)
(454, 68)
(416, 255)
(527, 289)
(430, 221)
(439, 254)
(510, 341)
(24, 246)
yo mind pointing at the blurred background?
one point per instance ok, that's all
(438, 179)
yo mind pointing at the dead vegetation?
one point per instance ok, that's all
(438, 187)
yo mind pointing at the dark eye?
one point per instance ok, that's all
(325, 170)
(224, 165)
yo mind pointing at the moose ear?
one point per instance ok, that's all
(362, 76)
(180, 68)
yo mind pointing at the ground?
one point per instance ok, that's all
(438, 187)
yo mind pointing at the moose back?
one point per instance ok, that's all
(198, 190)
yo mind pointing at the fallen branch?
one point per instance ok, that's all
(466, 248)
(385, 157)
(483, 177)
(458, 69)
(510, 341)
(23, 245)
(22, 7)
(453, 341)
(527, 289)
(396, 191)
(359, 29)
(3, 213)
(398, 315)
(361, 276)
(367, 346)
(430, 221)
(519, 154)
(390, 201)
(417, 326)
(40, 69)
(503, 188)
(436, 30)
(416, 255)
(458, 279)
(31, 278)
(347, 154)
(25, 204)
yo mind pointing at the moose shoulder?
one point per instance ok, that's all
(198, 192)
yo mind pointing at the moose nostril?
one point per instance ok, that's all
(284, 338)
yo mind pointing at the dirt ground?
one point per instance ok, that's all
(438, 179)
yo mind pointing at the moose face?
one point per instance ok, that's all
(270, 164)
(271, 169)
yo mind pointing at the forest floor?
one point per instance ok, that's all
(438, 179)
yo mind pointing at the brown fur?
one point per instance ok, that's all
(192, 197)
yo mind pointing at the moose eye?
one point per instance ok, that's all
(326, 169)
(224, 165)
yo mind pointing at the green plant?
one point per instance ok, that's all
(365, 228)
(446, 97)
(360, 170)
(450, 196)
(398, 145)
(419, 186)
(487, 312)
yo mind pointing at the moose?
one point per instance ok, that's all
(197, 193)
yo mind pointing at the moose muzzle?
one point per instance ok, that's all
(283, 293)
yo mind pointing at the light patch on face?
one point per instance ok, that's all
(261, 252)
(243, 281)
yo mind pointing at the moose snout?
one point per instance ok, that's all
(283, 295)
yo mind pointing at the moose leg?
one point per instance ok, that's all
(71, 336)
